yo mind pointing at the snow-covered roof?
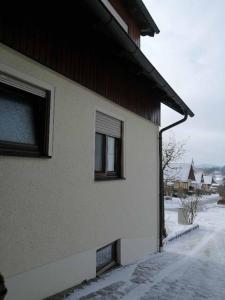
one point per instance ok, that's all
(198, 177)
(208, 179)
(177, 171)
(218, 178)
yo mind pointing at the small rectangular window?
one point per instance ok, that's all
(108, 140)
(106, 257)
(24, 118)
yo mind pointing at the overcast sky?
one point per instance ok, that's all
(189, 52)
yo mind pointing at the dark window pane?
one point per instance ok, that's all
(111, 154)
(17, 119)
(99, 152)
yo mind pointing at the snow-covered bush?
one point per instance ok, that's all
(189, 208)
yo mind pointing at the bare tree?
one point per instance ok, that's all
(172, 151)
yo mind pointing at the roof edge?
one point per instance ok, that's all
(142, 16)
(148, 17)
(171, 98)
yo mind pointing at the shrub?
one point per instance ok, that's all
(190, 207)
(221, 191)
(221, 201)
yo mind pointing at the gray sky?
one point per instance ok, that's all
(189, 52)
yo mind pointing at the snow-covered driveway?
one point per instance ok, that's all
(191, 267)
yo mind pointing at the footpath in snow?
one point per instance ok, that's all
(191, 267)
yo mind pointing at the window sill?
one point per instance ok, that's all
(19, 149)
(107, 267)
(22, 153)
(99, 178)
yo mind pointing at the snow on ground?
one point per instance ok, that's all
(172, 204)
(209, 198)
(175, 203)
(171, 217)
(171, 223)
(191, 267)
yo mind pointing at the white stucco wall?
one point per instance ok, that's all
(52, 210)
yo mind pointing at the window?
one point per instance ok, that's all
(24, 118)
(108, 142)
(106, 257)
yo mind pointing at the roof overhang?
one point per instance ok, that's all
(139, 12)
(133, 53)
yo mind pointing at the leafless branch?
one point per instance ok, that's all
(190, 207)
(172, 151)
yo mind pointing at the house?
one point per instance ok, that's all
(199, 177)
(180, 175)
(79, 126)
(208, 181)
(218, 177)
(215, 187)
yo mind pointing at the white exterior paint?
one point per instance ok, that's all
(49, 279)
(131, 249)
(53, 215)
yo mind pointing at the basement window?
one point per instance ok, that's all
(108, 145)
(106, 257)
(24, 118)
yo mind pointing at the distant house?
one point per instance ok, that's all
(207, 184)
(180, 175)
(215, 187)
(199, 178)
(218, 178)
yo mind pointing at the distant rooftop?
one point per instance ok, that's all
(208, 179)
(178, 171)
(198, 177)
